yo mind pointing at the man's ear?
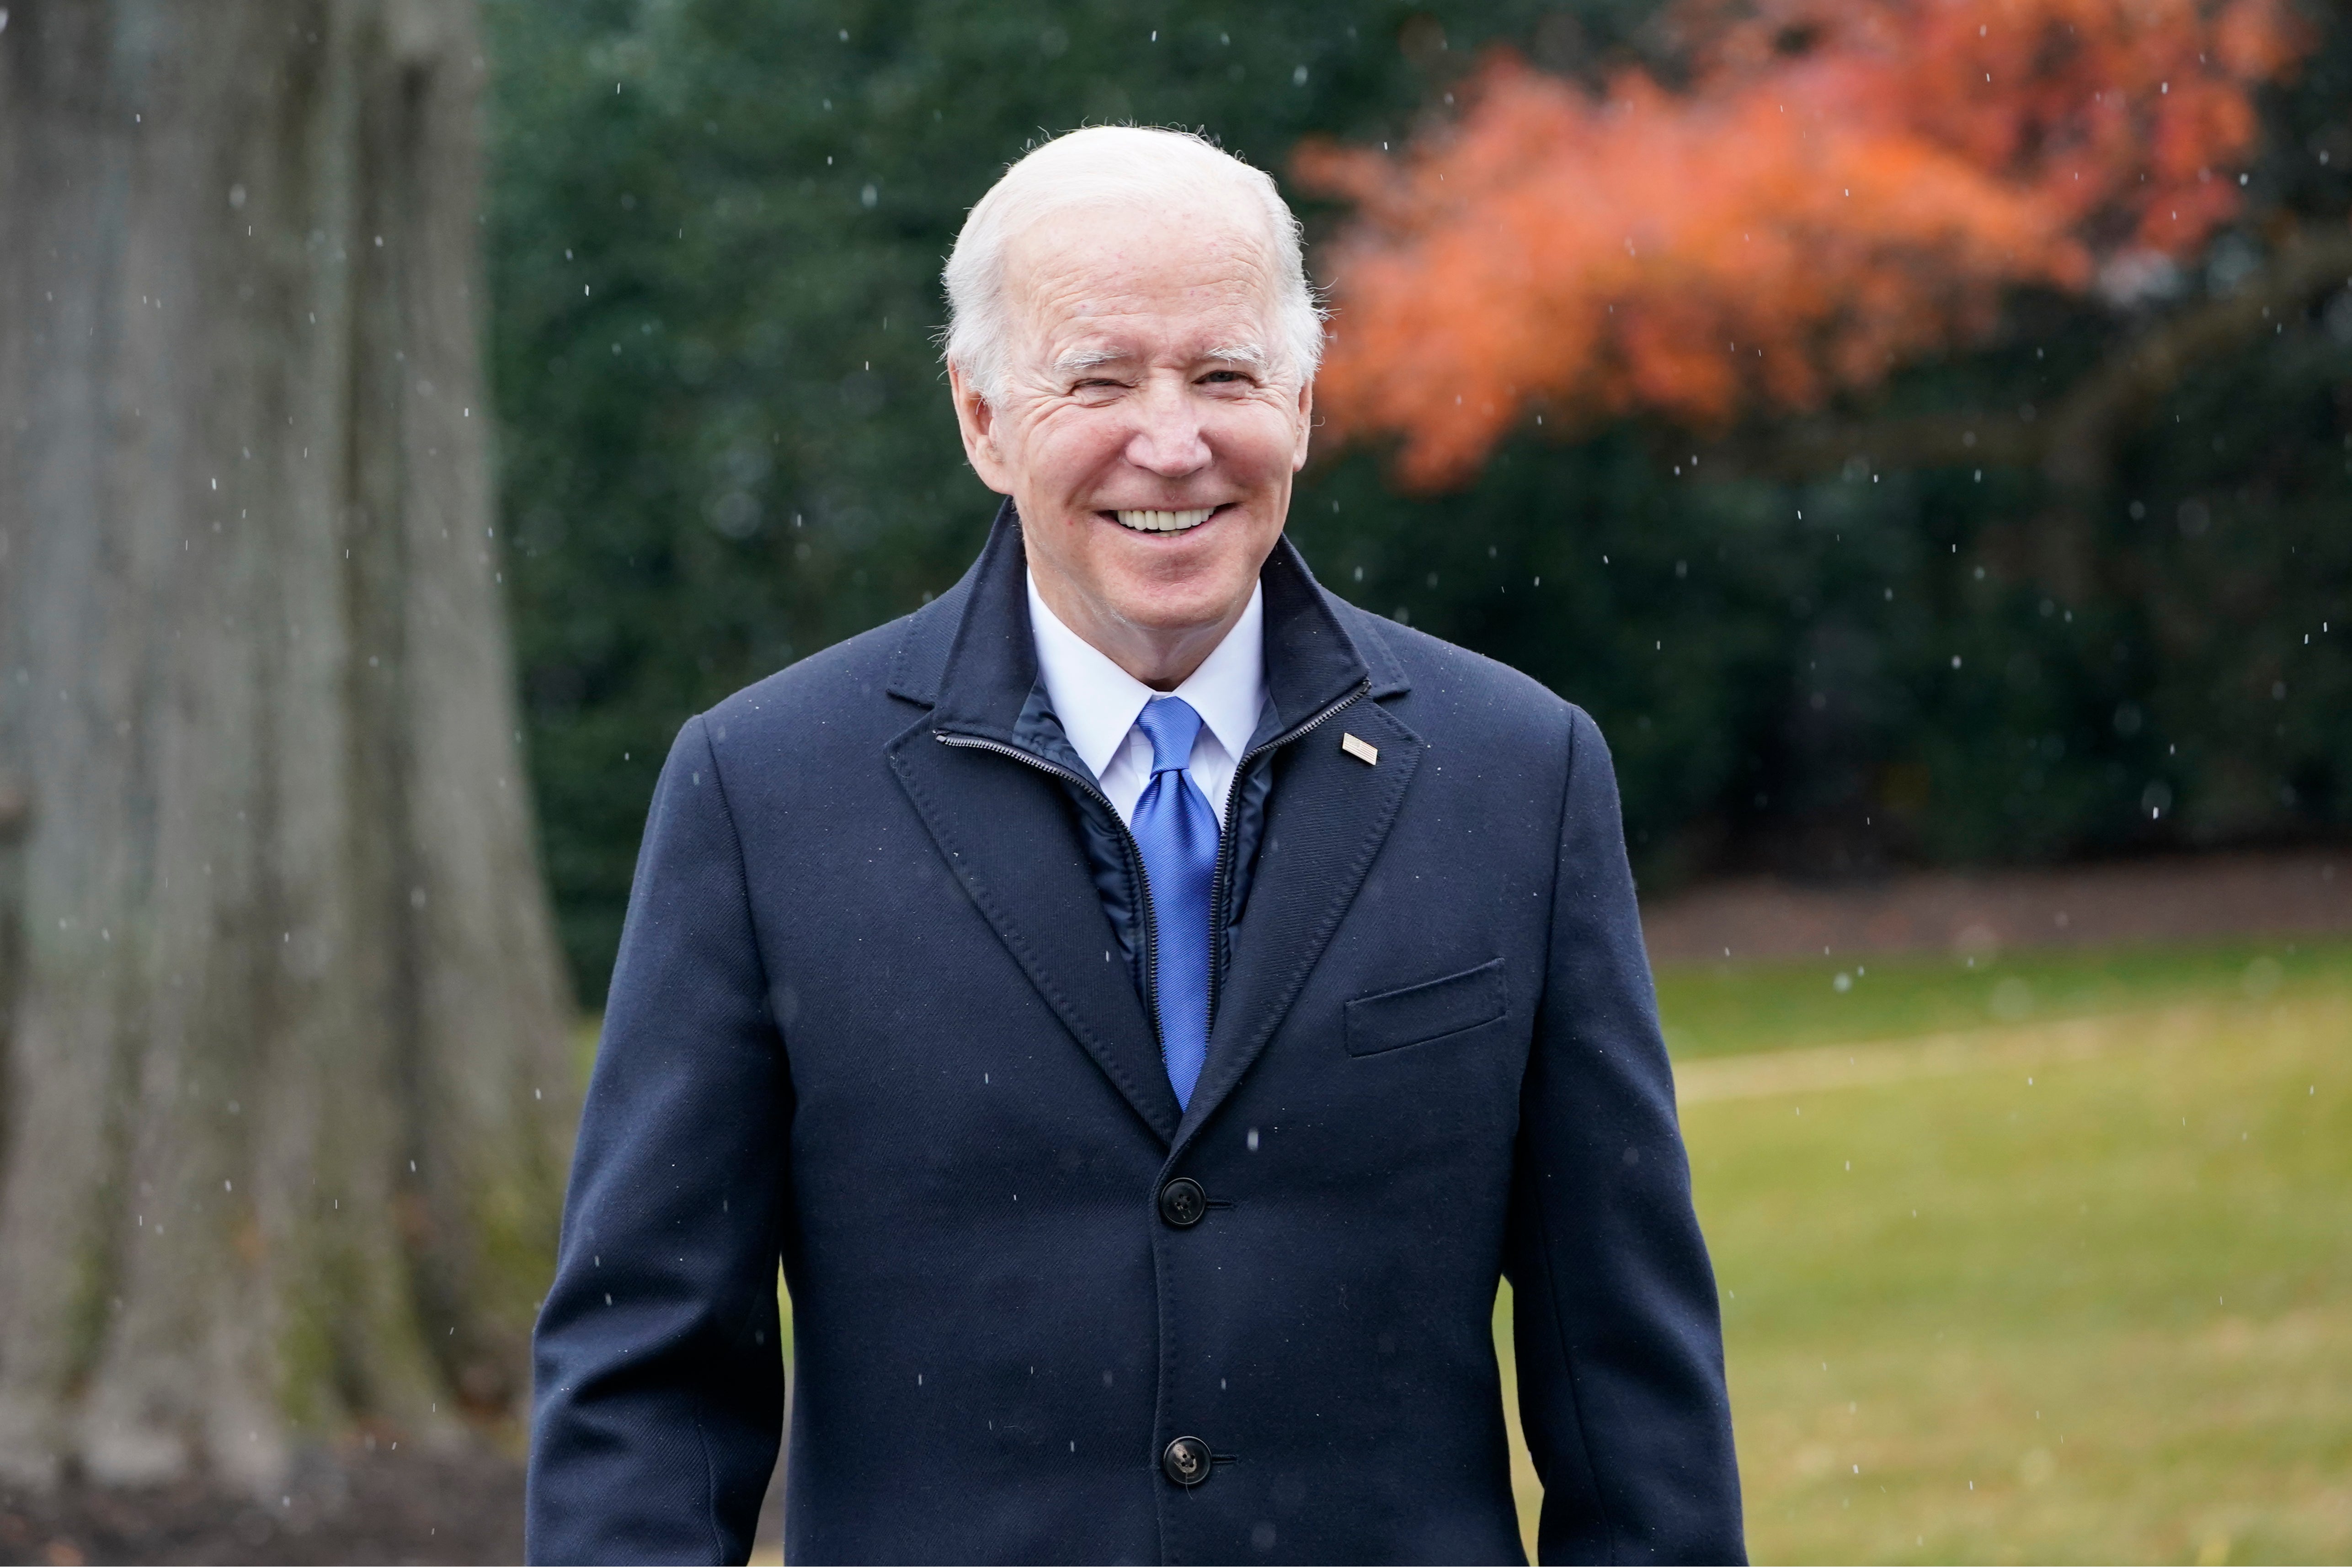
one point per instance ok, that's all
(1306, 424)
(977, 421)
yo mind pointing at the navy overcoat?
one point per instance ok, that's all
(874, 1016)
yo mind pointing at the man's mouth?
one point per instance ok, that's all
(1143, 522)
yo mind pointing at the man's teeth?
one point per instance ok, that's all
(1166, 521)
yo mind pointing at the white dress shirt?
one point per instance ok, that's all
(1098, 702)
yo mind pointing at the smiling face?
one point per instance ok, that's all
(1148, 427)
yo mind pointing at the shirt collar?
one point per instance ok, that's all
(1098, 701)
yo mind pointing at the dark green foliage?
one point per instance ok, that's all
(2240, 574)
(728, 443)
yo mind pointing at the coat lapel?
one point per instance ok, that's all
(1004, 829)
(1326, 819)
(1007, 829)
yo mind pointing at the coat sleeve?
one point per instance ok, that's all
(1618, 1341)
(657, 1376)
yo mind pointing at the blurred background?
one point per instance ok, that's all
(1919, 431)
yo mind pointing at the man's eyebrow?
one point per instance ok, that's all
(1078, 360)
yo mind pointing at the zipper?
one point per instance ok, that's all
(1134, 862)
(1218, 886)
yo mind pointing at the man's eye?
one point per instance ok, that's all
(1225, 375)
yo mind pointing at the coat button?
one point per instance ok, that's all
(1181, 1203)
(1186, 1461)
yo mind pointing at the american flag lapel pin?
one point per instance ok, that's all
(1364, 751)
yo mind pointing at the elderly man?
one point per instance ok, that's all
(1146, 1004)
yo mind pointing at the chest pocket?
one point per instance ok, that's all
(1430, 1011)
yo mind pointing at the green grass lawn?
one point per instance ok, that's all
(2074, 1286)
(1717, 1009)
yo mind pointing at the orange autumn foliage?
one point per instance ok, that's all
(1843, 183)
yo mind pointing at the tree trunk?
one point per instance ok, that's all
(286, 1100)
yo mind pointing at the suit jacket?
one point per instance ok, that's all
(877, 1015)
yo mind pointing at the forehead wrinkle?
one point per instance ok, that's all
(1065, 289)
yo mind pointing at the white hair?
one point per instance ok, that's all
(1125, 165)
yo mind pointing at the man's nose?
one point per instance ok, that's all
(1168, 439)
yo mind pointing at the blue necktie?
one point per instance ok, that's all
(1176, 828)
